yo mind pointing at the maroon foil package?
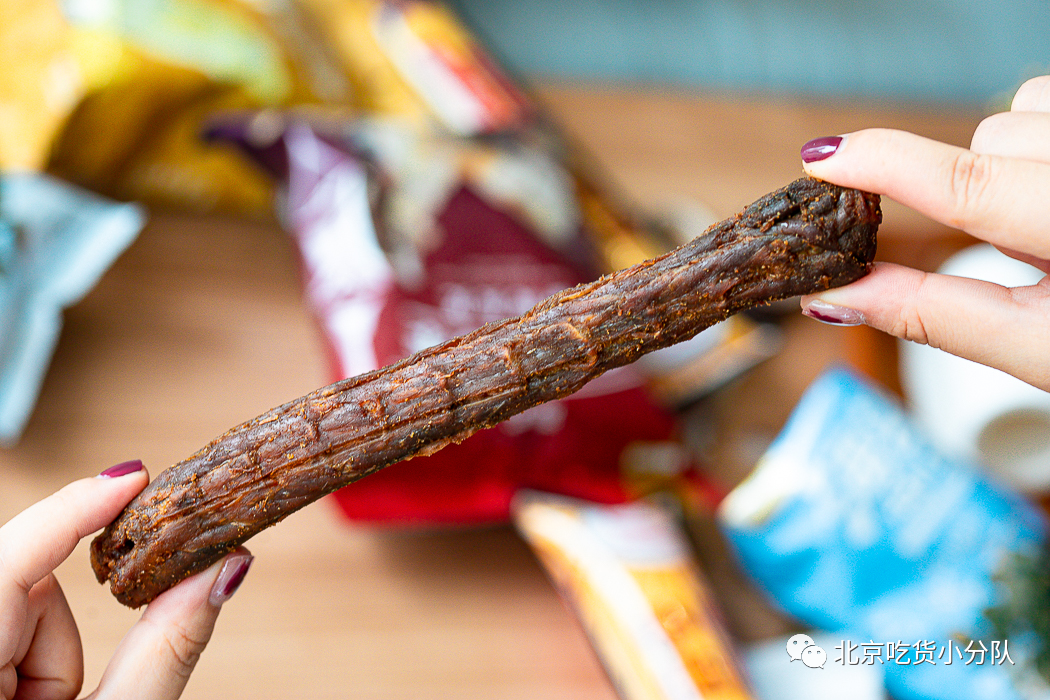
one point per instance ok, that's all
(409, 239)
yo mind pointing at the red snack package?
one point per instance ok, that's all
(407, 240)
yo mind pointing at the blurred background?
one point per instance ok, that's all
(927, 50)
(211, 207)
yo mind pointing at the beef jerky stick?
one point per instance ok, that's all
(806, 237)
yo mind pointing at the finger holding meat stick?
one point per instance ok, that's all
(997, 190)
(40, 650)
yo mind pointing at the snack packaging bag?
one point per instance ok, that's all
(137, 139)
(162, 68)
(55, 242)
(854, 524)
(138, 79)
(629, 576)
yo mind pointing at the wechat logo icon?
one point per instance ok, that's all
(801, 647)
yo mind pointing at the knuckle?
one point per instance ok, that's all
(184, 648)
(909, 323)
(10, 572)
(968, 181)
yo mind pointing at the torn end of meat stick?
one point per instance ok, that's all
(801, 239)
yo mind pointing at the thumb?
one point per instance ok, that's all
(155, 659)
(1002, 327)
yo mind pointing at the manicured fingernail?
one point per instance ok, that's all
(234, 569)
(123, 469)
(819, 149)
(833, 314)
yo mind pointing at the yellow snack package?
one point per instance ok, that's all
(627, 573)
(170, 65)
(42, 80)
(138, 139)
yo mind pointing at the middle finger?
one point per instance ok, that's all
(1024, 135)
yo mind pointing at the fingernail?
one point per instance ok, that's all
(230, 578)
(819, 149)
(123, 469)
(835, 315)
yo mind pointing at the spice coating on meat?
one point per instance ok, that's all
(801, 239)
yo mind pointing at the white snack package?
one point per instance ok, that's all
(56, 241)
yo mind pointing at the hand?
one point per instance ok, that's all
(40, 652)
(999, 191)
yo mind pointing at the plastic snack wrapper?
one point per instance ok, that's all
(127, 85)
(854, 524)
(111, 95)
(55, 242)
(137, 140)
(628, 574)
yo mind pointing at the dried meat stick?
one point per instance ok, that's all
(804, 238)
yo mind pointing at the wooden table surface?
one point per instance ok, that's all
(200, 325)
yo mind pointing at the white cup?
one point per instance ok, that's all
(975, 412)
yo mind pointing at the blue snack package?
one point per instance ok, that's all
(56, 241)
(854, 524)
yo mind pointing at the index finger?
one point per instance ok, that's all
(1001, 200)
(37, 540)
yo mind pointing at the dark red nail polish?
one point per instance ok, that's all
(230, 578)
(123, 469)
(819, 149)
(832, 314)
